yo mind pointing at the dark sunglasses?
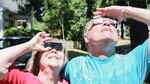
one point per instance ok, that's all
(113, 22)
(57, 46)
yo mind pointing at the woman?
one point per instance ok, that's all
(51, 61)
(34, 61)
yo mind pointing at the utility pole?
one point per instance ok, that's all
(62, 29)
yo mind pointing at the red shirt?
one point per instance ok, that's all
(17, 76)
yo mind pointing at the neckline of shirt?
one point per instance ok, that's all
(102, 60)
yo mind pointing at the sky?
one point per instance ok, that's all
(9, 4)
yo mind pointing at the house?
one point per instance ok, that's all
(1, 26)
(10, 19)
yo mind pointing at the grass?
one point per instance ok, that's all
(75, 52)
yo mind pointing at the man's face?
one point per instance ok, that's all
(103, 29)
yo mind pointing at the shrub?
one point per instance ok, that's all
(13, 31)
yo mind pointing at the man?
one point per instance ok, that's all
(102, 65)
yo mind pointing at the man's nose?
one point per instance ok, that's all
(106, 23)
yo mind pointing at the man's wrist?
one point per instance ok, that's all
(125, 13)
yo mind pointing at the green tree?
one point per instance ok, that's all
(67, 15)
(104, 3)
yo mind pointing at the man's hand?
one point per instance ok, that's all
(115, 12)
(38, 41)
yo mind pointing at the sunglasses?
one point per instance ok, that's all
(57, 46)
(113, 22)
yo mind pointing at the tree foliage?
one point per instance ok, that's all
(105, 3)
(13, 31)
(67, 14)
(70, 15)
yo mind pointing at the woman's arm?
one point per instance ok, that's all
(10, 54)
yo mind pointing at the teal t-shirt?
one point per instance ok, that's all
(117, 69)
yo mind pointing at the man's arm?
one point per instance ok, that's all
(139, 14)
(10, 54)
(122, 12)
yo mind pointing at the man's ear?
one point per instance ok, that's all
(86, 38)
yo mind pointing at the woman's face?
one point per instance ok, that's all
(53, 58)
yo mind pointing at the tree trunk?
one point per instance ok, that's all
(90, 4)
(138, 30)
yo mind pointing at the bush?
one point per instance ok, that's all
(22, 34)
(13, 31)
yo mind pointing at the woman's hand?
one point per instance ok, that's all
(38, 40)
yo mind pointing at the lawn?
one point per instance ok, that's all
(75, 52)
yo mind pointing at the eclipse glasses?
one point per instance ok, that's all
(113, 22)
(57, 46)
